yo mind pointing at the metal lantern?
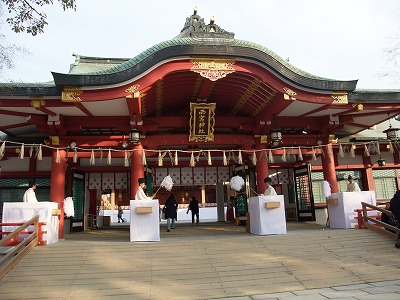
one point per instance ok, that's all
(381, 162)
(134, 136)
(391, 133)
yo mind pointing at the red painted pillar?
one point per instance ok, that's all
(137, 169)
(328, 167)
(368, 178)
(57, 187)
(261, 169)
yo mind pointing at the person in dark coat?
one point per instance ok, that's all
(389, 219)
(395, 208)
(171, 207)
(194, 207)
(120, 213)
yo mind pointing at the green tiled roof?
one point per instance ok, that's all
(203, 47)
(31, 89)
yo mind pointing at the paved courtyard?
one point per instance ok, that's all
(210, 261)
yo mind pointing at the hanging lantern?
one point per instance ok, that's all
(381, 162)
(391, 133)
(276, 136)
(134, 136)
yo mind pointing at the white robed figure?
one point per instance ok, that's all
(269, 191)
(30, 195)
(140, 194)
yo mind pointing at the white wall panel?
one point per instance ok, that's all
(199, 175)
(44, 164)
(14, 164)
(187, 175)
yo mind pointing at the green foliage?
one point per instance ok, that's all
(28, 15)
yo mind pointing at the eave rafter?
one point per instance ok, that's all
(37, 120)
(13, 113)
(205, 88)
(391, 112)
(4, 128)
(360, 125)
(275, 106)
(244, 98)
(83, 109)
(322, 108)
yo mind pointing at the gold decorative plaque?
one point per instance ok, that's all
(213, 69)
(202, 121)
(289, 94)
(37, 102)
(132, 89)
(71, 94)
(340, 99)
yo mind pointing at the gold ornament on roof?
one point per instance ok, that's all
(289, 94)
(37, 102)
(213, 69)
(132, 89)
(71, 94)
(339, 99)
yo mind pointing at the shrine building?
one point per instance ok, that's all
(201, 107)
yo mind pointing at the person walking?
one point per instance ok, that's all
(194, 207)
(171, 207)
(30, 195)
(120, 213)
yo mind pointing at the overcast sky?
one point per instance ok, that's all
(338, 39)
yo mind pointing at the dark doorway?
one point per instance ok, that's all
(304, 195)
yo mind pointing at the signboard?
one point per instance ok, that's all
(202, 121)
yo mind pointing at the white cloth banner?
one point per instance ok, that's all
(211, 175)
(264, 221)
(342, 215)
(95, 181)
(107, 180)
(223, 174)
(20, 212)
(145, 227)
(121, 180)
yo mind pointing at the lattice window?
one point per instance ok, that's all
(23, 182)
(385, 183)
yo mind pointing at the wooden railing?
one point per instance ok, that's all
(373, 223)
(11, 255)
(15, 240)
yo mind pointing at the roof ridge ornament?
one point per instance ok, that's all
(212, 69)
(195, 27)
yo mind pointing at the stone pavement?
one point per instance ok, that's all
(210, 261)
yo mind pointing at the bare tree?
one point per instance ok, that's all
(28, 15)
(25, 16)
(392, 55)
(7, 52)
